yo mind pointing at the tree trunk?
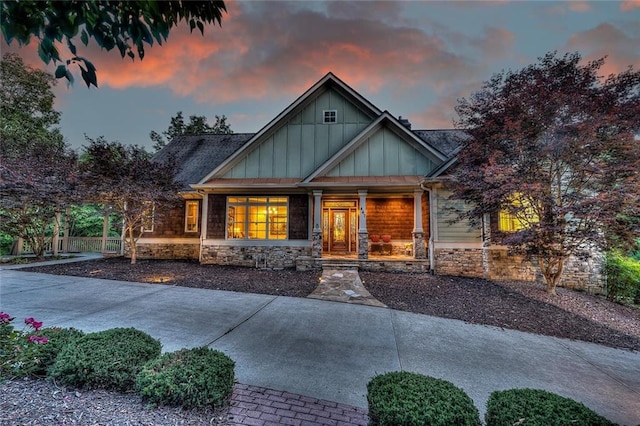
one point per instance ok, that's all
(551, 270)
(132, 246)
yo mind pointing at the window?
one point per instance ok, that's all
(148, 217)
(520, 215)
(259, 218)
(330, 116)
(191, 216)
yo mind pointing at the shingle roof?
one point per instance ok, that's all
(446, 141)
(197, 155)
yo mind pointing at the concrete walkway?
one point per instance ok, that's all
(329, 351)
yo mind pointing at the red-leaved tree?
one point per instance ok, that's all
(125, 177)
(556, 146)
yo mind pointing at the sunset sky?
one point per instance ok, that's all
(411, 58)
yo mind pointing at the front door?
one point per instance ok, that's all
(339, 230)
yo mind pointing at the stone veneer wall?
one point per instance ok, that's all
(499, 265)
(459, 262)
(253, 256)
(165, 251)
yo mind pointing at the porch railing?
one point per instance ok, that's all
(76, 245)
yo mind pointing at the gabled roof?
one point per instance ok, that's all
(197, 155)
(326, 82)
(384, 119)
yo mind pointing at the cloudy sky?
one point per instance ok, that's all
(412, 58)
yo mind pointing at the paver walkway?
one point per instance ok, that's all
(344, 285)
(253, 405)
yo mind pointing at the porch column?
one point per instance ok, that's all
(105, 230)
(419, 249)
(203, 223)
(316, 242)
(363, 234)
(55, 240)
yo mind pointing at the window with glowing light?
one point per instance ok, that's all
(257, 218)
(148, 218)
(191, 216)
(521, 216)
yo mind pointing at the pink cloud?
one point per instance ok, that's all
(620, 47)
(628, 5)
(579, 6)
(247, 59)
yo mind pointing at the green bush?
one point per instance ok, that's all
(108, 359)
(534, 407)
(623, 277)
(46, 354)
(189, 378)
(410, 399)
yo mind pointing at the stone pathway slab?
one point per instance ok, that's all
(344, 285)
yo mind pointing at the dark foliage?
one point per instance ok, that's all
(108, 359)
(533, 407)
(554, 146)
(191, 378)
(125, 25)
(126, 178)
(410, 399)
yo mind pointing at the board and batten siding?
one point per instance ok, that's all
(296, 149)
(384, 154)
(449, 231)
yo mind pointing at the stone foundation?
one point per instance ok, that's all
(275, 257)
(498, 265)
(459, 262)
(165, 251)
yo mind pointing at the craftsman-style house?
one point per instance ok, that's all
(332, 178)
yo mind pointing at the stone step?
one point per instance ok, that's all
(340, 265)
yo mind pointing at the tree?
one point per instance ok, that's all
(26, 106)
(127, 25)
(126, 178)
(197, 126)
(37, 169)
(35, 185)
(555, 147)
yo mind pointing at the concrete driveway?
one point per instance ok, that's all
(330, 350)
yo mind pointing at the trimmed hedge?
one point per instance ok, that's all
(410, 399)
(189, 378)
(534, 407)
(46, 354)
(108, 359)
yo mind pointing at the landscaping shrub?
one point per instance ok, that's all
(533, 407)
(46, 354)
(623, 277)
(108, 359)
(410, 399)
(190, 378)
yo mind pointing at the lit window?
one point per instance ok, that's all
(330, 116)
(148, 217)
(259, 218)
(520, 215)
(191, 216)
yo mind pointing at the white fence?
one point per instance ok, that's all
(76, 245)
